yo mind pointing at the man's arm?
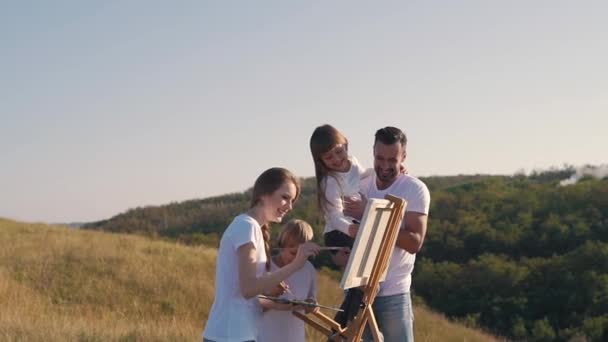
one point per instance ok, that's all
(412, 236)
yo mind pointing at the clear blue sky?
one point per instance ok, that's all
(110, 105)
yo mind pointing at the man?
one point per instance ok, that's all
(392, 306)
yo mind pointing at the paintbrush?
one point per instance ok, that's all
(297, 302)
(322, 248)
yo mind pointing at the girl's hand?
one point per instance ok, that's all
(354, 206)
(353, 229)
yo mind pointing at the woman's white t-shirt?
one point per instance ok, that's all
(232, 317)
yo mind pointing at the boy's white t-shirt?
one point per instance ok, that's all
(414, 191)
(281, 326)
(337, 186)
(232, 317)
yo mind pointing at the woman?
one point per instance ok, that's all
(244, 257)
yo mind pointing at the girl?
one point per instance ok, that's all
(276, 324)
(338, 176)
(243, 257)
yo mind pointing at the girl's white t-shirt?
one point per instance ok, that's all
(232, 317)
(281, 326)
(337, 186)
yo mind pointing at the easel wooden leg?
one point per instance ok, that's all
(333, 331)
(314, 324)
(373, 325)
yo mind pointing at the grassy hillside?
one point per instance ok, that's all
(60, 284)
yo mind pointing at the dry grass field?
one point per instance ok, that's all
(63, 284)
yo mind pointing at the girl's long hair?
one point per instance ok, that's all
(322, 140)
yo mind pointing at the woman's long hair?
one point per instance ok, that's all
(266, 184)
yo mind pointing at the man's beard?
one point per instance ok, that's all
(386, 177)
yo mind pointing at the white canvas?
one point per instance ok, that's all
(365, 249)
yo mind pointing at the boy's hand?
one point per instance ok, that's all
(309, 309)
(279, 290)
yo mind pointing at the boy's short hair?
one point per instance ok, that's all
(297, 230)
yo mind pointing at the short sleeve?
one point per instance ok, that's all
(245, 232)
(420, 200)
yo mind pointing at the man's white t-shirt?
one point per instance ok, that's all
(281, 326)
(232, 317)
(414, 191)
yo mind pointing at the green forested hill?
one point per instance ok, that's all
(211, 215)
(519, 255)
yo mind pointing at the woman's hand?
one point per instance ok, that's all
(305, 251)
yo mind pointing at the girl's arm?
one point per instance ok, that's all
(333, 211)
(252, 285)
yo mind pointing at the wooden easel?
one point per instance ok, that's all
(354, 330)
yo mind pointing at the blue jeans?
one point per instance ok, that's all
(395, 318)
(206, 340)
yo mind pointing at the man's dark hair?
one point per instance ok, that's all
(390, 135)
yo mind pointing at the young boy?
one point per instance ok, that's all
(277, 323)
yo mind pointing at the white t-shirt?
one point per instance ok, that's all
(281, 326)
(338, 185)
(414, 191)
(232, 317)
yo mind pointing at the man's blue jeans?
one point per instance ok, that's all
(395, 318)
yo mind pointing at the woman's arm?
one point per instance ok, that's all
(252, 285)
